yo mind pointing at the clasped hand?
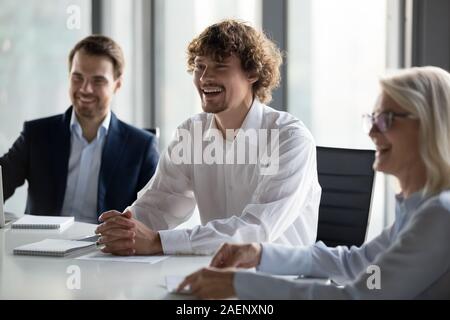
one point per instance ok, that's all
(123, 235)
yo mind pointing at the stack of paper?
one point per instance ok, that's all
(43, 222)
(52, 247)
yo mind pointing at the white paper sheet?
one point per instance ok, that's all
(172, 283)
(100, 256)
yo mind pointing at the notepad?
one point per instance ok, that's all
(43, 222)
(100, 256)
(52, 247)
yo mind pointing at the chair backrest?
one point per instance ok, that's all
(346, 177)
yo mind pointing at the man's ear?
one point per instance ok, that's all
(252, 77)
(118, 84)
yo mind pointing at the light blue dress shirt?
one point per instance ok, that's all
(413, 257)
(80, 198)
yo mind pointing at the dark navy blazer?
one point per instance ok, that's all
(41, 156)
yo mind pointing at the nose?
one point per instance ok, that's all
(206, 76)
(86, 87)
(374, 131)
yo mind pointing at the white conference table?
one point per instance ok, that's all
(32, 277)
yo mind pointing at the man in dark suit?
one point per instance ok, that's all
(85, 161)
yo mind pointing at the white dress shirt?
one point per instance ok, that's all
(236, 202)
(80, 198)
(413, 257)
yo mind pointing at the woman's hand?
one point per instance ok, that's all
(237, 255)
(210, 283)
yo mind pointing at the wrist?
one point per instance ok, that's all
(158, 244)
(231, 292)
(257, 252)
(151, 243)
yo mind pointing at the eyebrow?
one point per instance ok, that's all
(98, 77)
(387, 109)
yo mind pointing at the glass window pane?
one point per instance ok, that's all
(118, 23)
(35, 39)
(337, 50)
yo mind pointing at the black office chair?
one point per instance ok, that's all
(346, 177)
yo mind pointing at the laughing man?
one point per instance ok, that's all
(234, 68)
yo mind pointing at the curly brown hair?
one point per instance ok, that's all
(258, 54)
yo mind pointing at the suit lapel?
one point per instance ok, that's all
(60, 155)
(111, 156)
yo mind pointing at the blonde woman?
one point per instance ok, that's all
(410, 127)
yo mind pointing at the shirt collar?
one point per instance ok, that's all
(411, 203)
(253, 120)
(102, 130)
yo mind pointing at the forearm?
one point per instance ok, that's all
(296, 261)
(317, 260)
(250, 285)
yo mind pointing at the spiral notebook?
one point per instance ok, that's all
(52, 247)
(42, 222)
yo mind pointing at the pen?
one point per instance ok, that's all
(99, 245)
(93, 238)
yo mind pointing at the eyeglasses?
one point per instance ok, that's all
(382, 121)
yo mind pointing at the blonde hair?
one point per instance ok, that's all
(425, 93)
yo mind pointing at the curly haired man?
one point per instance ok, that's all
(235, 69)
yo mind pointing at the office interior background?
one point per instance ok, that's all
(334, 53)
